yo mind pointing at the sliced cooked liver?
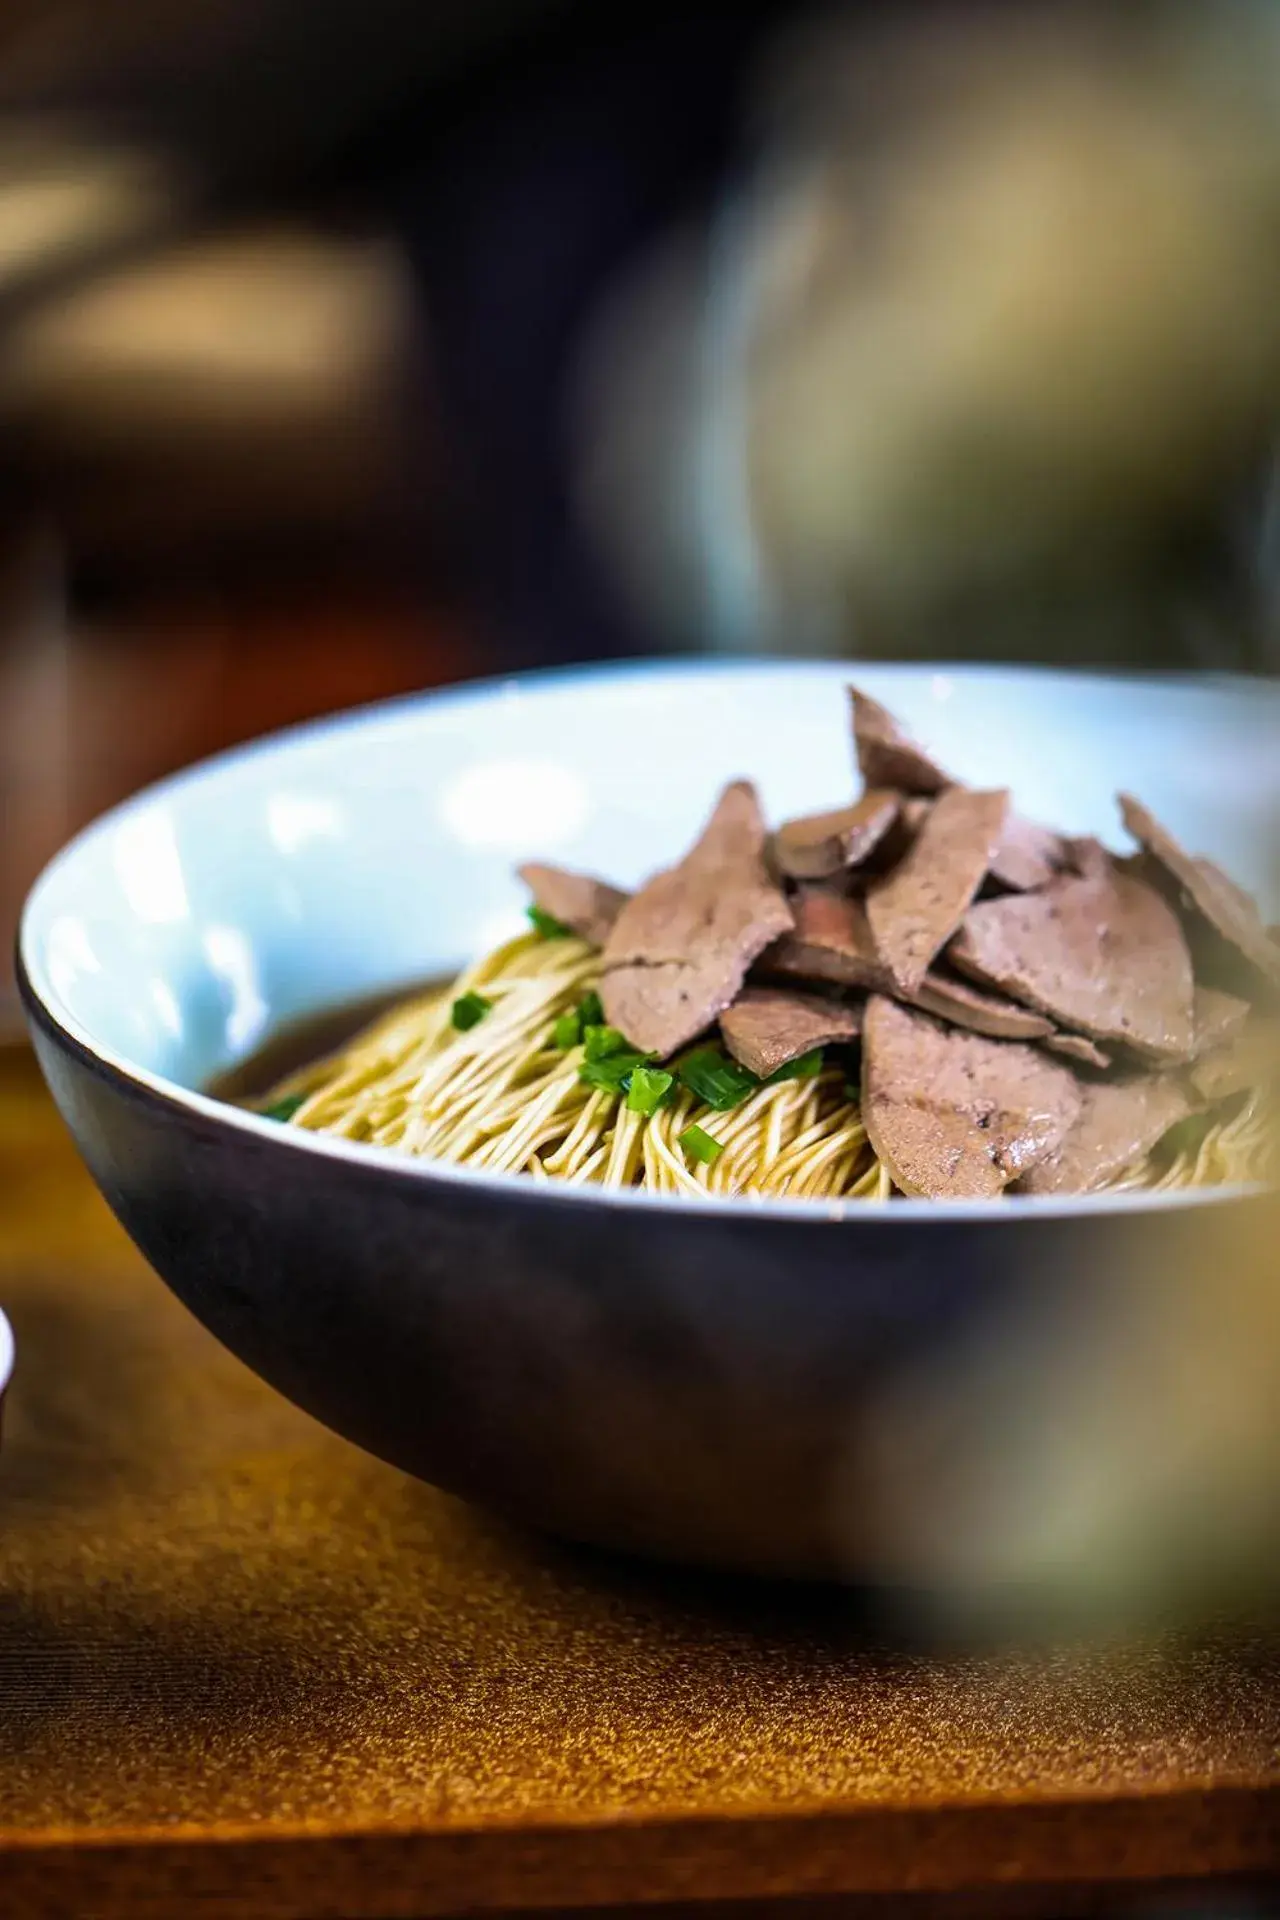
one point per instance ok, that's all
(831, 941)
(824, 844)
(1227, 908)
(1028, 855)
(1249, 1059)
(1074, 1046)
(968, 1006)
(887, 756)
(1087, 857)
(768, 1027)
(1120, 1121)
(680, 947)
(589, 907)
(914, 910)
(1219, 1017)
(1105, 957)
(953, 1115)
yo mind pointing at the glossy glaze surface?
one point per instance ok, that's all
(6, 1358)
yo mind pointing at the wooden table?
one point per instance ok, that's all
(246, 1670)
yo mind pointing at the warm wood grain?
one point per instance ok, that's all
(245, 1670)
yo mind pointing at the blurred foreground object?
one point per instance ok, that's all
(984, 355)
(1126, 1470)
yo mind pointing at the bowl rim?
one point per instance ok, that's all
(7, 1352)
(61, 1026)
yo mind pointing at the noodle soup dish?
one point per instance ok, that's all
(732, 1041)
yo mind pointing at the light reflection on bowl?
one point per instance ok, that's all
(6, 1364)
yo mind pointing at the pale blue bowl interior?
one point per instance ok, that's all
(379, 848)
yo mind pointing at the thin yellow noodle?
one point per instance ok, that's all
(503, 1097)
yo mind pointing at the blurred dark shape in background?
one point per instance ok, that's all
(699, 326)
(287, 299)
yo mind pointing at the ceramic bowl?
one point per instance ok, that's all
(721, 1382)
(6, 1362)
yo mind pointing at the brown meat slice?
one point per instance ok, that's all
(1250, 1058)
(1120, 1121)
(680, 947)
(589, 907)
(887, 756)
(1104, 957)
(954, 1115)
(1218, 1017)
(768, 1027)
(831, 941)
(963, 1005)
(914, 910)
(1028, 855)
(1074, 1046)
(824, 844)
(1228, 908)
(1087, 857)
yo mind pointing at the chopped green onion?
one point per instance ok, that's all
(601, 1042)
(567, 1031)
(716, 1079)
(571, 1027)
(469, 1011)
(547, 925)
(700, 1146)
(649, 1089)
(807, 1067)
(612, 1074)
(284, 1108)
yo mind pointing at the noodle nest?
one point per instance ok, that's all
(502, 1096)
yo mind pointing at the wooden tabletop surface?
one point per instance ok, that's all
(245, 1669)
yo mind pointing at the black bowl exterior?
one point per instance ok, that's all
(701, 1384)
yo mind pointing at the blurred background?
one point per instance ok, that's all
(354, 346)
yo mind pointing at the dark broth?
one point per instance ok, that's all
(298, 1042)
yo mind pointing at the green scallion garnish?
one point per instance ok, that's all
(469, 1011)
(700, 1146)
(567, 1031)
(547, 925)
(807, 1067)
(612, 1074)
(717, 1080)
(590, 1011)
(601, 1042)
(284, 1108)
(649, 1089)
